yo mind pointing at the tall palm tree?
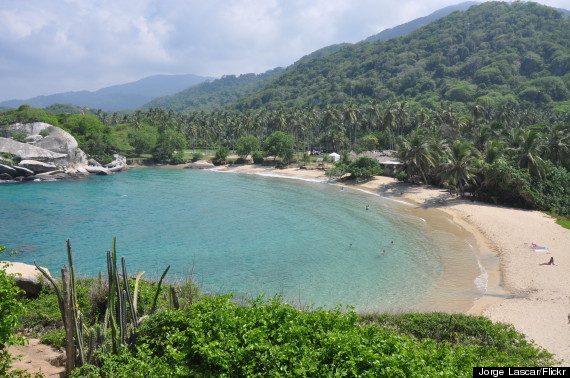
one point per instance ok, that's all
(461, 166)
(417, 153)
(558, 143)
(528, 151)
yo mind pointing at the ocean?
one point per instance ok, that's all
(313, 243)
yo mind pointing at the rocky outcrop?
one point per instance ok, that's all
(37, 166)
(48, 153)
(201, 164)
(26, 151)
(119, 164)
(27, 277)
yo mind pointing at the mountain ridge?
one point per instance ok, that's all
(118, 97)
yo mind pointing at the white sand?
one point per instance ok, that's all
(540, 302)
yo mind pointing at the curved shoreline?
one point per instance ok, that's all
(531, 297)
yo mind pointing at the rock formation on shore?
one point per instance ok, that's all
(47, 153)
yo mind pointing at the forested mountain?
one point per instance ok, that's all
(117, 97)
(214, 94)
(409, 27)
(496, 53)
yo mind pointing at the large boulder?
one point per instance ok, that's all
(27, 277)
(98, 170)
(118, 164)
(51, 153)
(8, 169)
(57, 140)
(25, 151)
(37, 166)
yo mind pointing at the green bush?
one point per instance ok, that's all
(197, 156)
(402, 176)
(19, 136)
(258, 157)
(492, 341)
(220, 156)
(364, 168)
(216, 337)
(10, 310)
(54, 337)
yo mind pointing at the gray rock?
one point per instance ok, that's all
(37, 166)
(98, 170)
(33, 138)
(22, 171)
(58, 141)
(201, 164)
(26, 151)
(94, 163)
(119, 164)
(5, 177)
(8, 169)
(28, 277)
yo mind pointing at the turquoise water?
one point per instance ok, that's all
(311, 242)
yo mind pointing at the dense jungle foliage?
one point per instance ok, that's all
(496, 53)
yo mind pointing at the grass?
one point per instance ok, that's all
(564, 222)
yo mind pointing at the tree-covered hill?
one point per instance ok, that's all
(409, 27)
(496, 53)
(214, 94)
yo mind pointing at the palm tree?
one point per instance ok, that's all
(558, 143)
(418, 154)
(528, 150)
(461, 166)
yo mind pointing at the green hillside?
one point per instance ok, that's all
(214, 94)
(497, 53)
(409, 27)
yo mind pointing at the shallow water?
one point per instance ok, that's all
(311, 242)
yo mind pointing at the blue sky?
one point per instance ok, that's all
(53, 46)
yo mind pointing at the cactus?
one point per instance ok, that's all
(120, 303)
(153, 309)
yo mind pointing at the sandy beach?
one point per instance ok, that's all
(531, 297)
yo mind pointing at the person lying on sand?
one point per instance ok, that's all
(550, 262)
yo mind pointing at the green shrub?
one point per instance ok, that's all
(197, 156)
(10, 310)
(54, 337)
(258, 157)
(495, 342)
(19, 136)
(216, 337)
(220, 156)
(44, 133)
(402, 176)
(364, 168)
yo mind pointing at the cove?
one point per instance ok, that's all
(310, 242)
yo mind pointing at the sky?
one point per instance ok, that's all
(54, 46)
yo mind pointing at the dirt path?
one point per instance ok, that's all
(38, 358)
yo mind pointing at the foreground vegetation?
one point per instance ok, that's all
(177, 331)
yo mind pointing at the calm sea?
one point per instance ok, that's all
(311, 242)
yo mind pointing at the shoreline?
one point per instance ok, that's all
(531, 297)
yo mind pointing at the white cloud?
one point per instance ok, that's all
(51, 46)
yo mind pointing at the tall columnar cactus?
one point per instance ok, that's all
(120, 303)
